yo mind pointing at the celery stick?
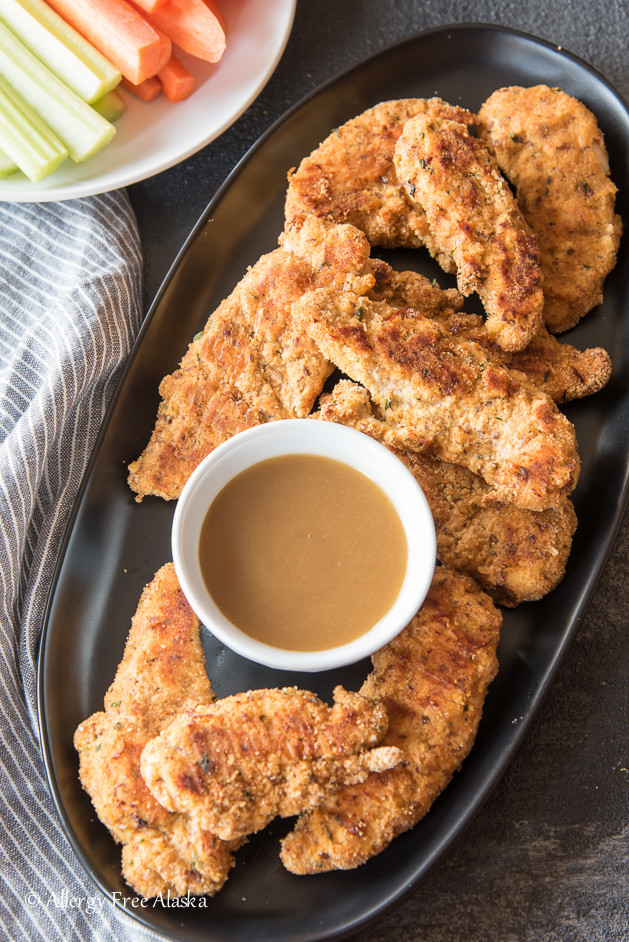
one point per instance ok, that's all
(60, 47)
(25, 137)
(111, 105)
(7, 166)
(80, 128)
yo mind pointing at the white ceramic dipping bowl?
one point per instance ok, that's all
(315, 437)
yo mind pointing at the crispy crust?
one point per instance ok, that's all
(474, 218)
(351, 178)
(250, 364)
(445, 395)
(234, 765)
(550, 147)
(557, 368)
(162, 672)
(433, 679)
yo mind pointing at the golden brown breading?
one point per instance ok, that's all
(234, 765)
(474, 218)
(177, 859)
(550, 147)
(162, 672)
(350, 177)
(250, 364)
(433, 678)
(411, 289)
(149, 688)
(559, 369)
(444, 394)
(338, 255)
(516, 555)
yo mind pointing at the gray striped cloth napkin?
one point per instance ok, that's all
(70, 307)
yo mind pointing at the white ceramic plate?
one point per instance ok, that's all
(329, 440)
(153, 137)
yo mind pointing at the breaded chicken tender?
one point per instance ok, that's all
(474, 218)
(445, 395)
(516, 555)
(552, 150)
(250, 364)
(558, 368)
(350, 177)
(161, 673)
(234, 765)
(412, 289)
(561, 370)
(433, 678)
(177, 859)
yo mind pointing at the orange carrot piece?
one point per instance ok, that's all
(166, 50)
(177, 81)
(148, 90)
(192, 26)
(121, 33)
(217, 13)
(149, 5)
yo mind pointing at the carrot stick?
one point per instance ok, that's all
(217, 13)
(120, 32)
(192, 26)
(166, 50)
(177, 81)
(149, 5)
(148, 90)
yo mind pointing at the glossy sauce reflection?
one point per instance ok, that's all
(303, 552)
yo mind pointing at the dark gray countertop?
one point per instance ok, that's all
(547, 856)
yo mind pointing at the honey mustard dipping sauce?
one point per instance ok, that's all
(303, 552)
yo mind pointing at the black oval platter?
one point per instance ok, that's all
(114, 546)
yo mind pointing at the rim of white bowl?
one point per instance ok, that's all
(305, 436)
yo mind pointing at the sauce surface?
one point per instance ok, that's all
(303, 552)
